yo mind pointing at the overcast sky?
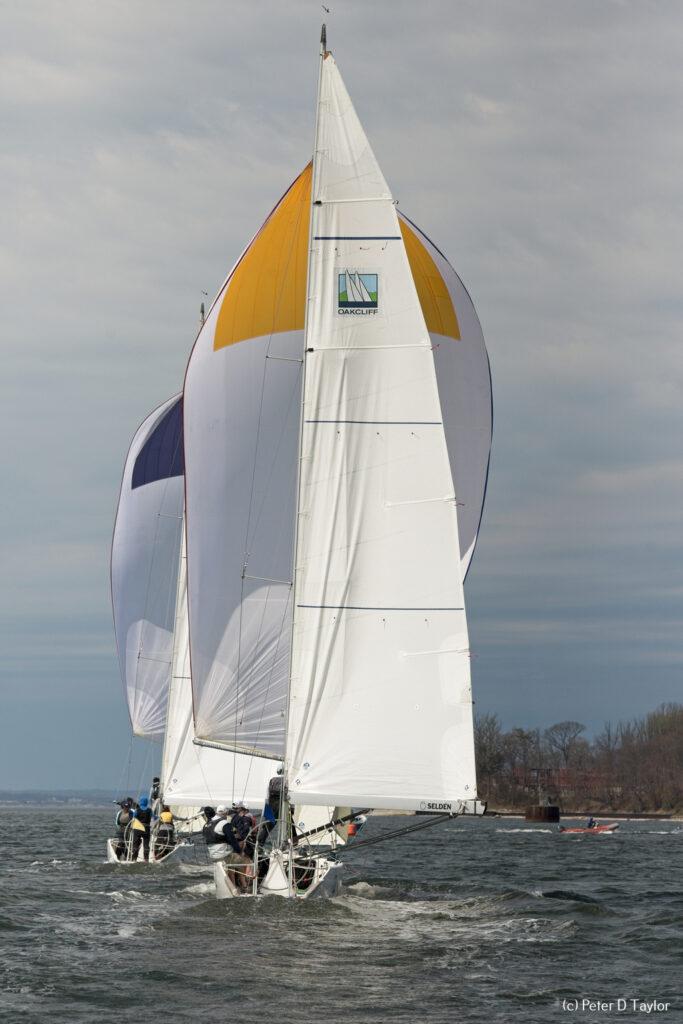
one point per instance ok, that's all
(538, 143)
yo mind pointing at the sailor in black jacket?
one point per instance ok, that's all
(224, 845)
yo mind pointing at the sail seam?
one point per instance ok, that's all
(357, 238)
(354, 199)
(378, 608)
(367, 348)
(445, 650)
(385, 423)
(419, 501)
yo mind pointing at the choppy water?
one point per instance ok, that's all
(469, 922)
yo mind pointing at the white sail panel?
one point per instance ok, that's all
(380, 710)
(310, 820)
(192, 775)
(241, 415)
(463, 376)
(144, 565)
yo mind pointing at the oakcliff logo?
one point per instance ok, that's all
(357, 293)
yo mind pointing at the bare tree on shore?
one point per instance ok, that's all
(632, 766)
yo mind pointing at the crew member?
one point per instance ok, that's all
(223, 844)
(165, 837)
(141, 828)
(124, 819)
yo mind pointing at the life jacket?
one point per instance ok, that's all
(166, 818)
(144, 816)
(211, 836)
(242, 824)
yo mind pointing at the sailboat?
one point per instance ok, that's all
(337, 429)
(150, 619)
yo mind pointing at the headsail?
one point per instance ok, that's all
(380, 653)
(144, 565)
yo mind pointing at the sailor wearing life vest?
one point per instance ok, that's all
(219, 834)
(223, 844)
(124, 819)
(141, 827)
(244, 826)
(165, 837)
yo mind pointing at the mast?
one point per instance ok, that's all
(283, 821)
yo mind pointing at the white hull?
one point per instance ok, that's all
(312, 877)
(183, 851)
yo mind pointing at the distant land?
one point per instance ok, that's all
(59, 797)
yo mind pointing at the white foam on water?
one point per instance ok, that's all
(527, 831)
(200, 889)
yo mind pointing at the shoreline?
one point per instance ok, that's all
(603, 815)
(568, 816)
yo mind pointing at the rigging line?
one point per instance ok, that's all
(253, 521)
(170, 594)
(270, 680)
(437, 820)
(263, 377)
(252, 524)
(332, 824)
(144, 770)
(126, 769)
(207, 784)
(177, 448)
(264, 579)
